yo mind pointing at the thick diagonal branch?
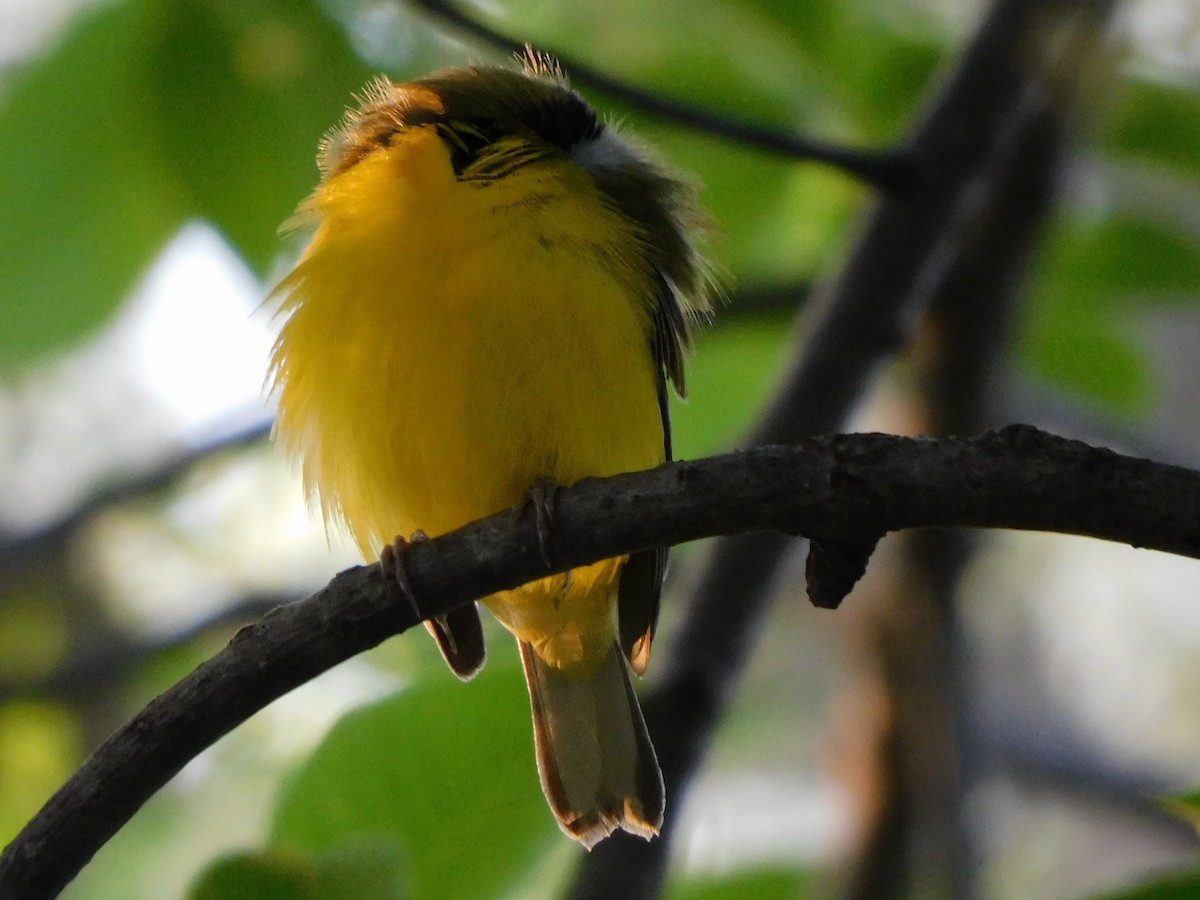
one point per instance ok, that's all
(839, 488)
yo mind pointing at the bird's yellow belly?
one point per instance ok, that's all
(476, 345)
(550, 378)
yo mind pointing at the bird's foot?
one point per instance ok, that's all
(541, 497)
(391, 561)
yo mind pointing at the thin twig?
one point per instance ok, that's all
(20, 551)
(889, 170)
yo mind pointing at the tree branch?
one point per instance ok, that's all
(886, 169)
(107, 656)
(924, 761)
(837, 488)
(20, 553)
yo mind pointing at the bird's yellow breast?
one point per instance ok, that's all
(448, 343)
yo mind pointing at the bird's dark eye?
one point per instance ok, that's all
(467, 140)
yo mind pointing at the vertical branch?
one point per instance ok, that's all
(919, 832)
(909, 246)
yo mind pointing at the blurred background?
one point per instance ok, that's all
(149, 152)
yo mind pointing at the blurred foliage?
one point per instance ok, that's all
(1095, 275)
(33, 634)
(445, 770)
(1102, 264)
(365, 869)
(761, 884)
(1156, 123)
(733, 372)
(1176, 887)
(147, 114)
(142, 115)
(39, 748)
(1186, 806)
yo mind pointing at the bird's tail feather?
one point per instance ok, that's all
(594, 756)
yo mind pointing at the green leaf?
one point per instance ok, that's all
(1189, 801)
(1184, 886)
(1093, 276)
(138, 120)
(735, 368)
(869, 60)
(1157, 122)
(365, 869)
(761, 884)
(269, 875)
(86, 195)
(244, 92)
(777, 220)
(145, 115)
(1186, 806)
(368, 868)
(1090, 352)
(39, 748)
(445, 769)
(1121, 258)
(756, 71)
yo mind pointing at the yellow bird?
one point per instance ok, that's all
(496, 292)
